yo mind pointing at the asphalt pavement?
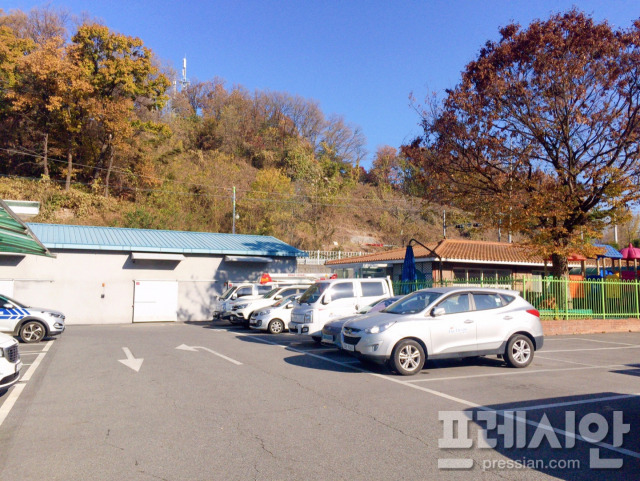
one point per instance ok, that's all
(211, 402)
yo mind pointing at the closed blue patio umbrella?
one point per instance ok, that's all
(408, 269)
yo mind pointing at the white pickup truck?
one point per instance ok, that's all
(10, 363)
(222, 304)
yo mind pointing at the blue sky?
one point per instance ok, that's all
(357, 58)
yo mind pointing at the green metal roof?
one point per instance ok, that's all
(78, 237)
(15, 235)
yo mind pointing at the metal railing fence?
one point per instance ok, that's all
(320, 257)
(557, 298)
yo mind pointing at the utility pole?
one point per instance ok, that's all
(233, 229)
(444, 224)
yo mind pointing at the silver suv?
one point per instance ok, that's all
(444, 323)
(31, 324)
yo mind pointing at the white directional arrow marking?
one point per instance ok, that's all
(184, 347)
(131, 361)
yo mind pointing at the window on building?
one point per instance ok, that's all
(460, 274)
(484, 275)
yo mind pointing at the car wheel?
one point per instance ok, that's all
(276, 326)
(32, 331)
(519, 351)
(408, 357)
(316, 339)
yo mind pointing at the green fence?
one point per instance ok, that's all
(558, 298)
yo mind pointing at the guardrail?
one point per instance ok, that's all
(558, 298)
(320, 257)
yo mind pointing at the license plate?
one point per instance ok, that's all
(348, 347)
(18, 366)
(327, 337)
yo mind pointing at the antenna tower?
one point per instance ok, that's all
(184, 83)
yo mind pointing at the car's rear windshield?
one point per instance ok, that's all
(413, 303)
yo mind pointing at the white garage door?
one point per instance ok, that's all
(6, 288)
(155, 301)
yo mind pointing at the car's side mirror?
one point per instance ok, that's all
(326, 299)
(289, 305)
(278, 297)
(234, 296)
(438, 311)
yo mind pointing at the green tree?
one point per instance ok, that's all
(123, 78)
(266, 209)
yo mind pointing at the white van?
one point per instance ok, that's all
(10, 363)
(328, 300)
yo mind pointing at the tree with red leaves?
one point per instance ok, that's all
(542, 133)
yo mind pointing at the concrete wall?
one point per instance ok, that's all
(97, 287)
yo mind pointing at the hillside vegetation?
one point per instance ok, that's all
(91, 127)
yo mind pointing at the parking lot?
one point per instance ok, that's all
(202, 402)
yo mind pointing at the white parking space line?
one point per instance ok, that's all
(7, 405)
(320, 349)
(461, 401)
(598, 340)
(33, 367)
(513, 373)
(16, 390)
(631, 346)
(564, 360)
(571, 403)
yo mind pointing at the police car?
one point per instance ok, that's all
(30, 324)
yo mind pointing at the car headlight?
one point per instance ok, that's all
(56, 315)
(263, 313)
(241, 306)
(308, 317)
(379, 328)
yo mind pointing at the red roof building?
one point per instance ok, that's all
(457, 259)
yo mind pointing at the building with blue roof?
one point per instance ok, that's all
(104, 275)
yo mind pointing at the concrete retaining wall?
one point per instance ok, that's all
(589, 326)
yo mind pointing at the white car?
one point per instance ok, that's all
(242, 309)
(447, 322)
(30, 324)
(275, 318)
(10, 363)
